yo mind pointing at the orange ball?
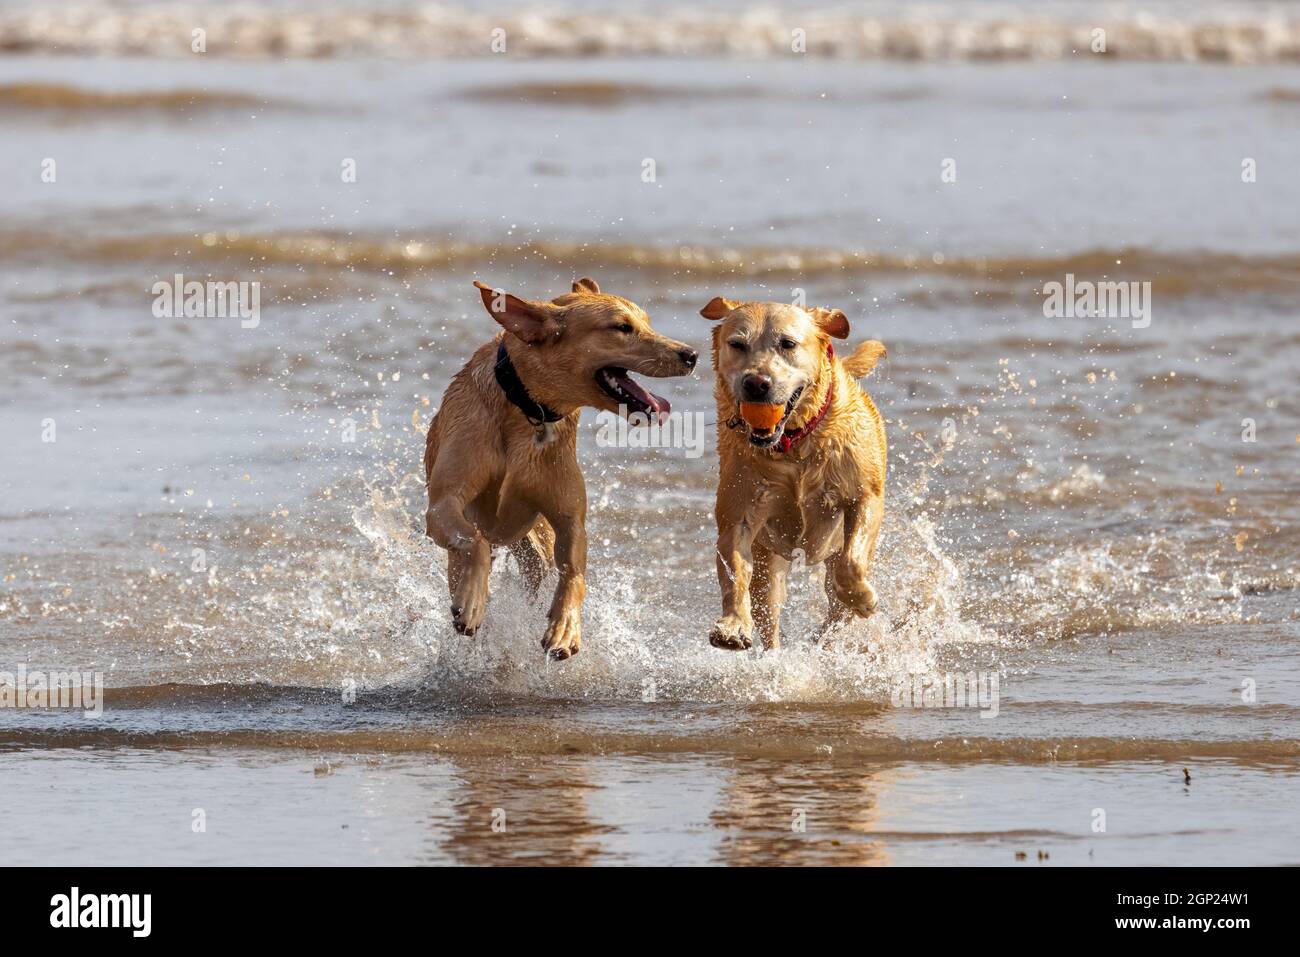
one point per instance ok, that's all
(762, 415)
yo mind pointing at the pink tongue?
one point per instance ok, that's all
(658, 404)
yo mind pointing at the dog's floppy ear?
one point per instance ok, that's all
(831, 321)
(718, 307)
(585, 285)
(531, 321)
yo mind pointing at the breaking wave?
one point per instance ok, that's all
(1239, 35)
(1171, 273)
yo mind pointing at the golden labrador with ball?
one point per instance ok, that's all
(802, 452)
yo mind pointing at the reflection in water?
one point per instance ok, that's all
(583, 810)
(780, 813)
(528, 811)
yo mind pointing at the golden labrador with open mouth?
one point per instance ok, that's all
(501, 455)
(802, 452)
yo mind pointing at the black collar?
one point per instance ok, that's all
(516, 392)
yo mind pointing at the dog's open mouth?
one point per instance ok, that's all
(766, 438)
(624, 390)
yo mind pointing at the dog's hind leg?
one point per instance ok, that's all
(535, 555)
(768, 588)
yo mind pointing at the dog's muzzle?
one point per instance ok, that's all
(767, 438)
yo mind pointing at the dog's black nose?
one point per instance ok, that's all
(688, 357)
(756, 387)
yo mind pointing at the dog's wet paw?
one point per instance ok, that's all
(730, 633)
(563, 638)
(469, 605)
(466, 619)
(857, 595)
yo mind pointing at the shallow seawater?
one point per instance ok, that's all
(1099, 516)
(262, 808)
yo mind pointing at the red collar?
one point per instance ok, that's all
(790, 439)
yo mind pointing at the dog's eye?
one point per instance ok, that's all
(788, 343)
(625, 327)
(740, 345)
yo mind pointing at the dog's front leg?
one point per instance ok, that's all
(837, 613)
(735, 566)
(469, 561)
(849, 569)
(769, 594)
(563, 638)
